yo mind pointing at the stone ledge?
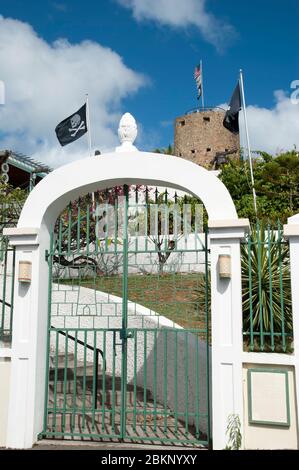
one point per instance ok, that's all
(22, 231)
(232, 223)
(22, 236)
(291, 230)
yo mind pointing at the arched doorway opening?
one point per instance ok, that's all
(129, 337)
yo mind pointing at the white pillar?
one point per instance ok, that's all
(227, 338)
(27, 379)
(291, 231)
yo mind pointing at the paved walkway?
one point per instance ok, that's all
(64, 445)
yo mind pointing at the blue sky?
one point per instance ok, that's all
(160, 49)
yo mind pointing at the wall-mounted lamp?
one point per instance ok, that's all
(225, 270)
(25, 271)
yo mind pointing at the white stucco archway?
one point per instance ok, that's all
(66, 183)
(31, 238)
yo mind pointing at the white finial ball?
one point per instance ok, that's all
(127, 130)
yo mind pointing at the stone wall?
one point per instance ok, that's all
(200, 135)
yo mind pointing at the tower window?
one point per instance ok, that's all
(192, 151)
(206, 119)
(208, 149)
(182, 123)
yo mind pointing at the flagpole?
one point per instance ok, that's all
(247, 138)
(202, 97)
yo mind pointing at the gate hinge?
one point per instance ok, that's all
(47, 255)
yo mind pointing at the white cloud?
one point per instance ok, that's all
(183, 14)
(45, 83)
(275, 129)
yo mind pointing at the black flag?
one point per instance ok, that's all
(73, 127)
(231, 118)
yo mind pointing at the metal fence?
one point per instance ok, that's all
(7, 273)
(266, 290)
(8, 218)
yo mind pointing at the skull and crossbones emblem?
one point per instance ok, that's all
(77, 125)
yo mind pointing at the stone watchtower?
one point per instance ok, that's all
(199, 136)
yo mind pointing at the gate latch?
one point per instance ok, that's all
(125, 334)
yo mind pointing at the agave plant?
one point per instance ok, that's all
(266, 282)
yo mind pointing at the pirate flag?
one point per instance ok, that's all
(231, 118)
(73, 127)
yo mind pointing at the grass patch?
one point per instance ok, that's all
(171, 294)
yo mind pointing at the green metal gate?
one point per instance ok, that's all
(7, 276)
(128, 342)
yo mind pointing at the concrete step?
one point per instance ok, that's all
(110, 398)
(112, 395)
(76, 443)
(142, 420)
(77, 421)
(106, 380)
(109, 421)
(104, 425)
(59, 362)
(80, 371)
(60, 359)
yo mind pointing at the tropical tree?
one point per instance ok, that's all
(276, 185)
(11, 203)
(166, 243)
